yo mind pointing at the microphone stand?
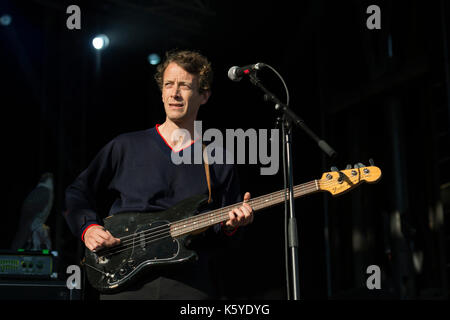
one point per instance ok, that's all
(290, 117)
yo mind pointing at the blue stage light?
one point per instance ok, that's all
(154, 58)
(100, 42)
(5, 20)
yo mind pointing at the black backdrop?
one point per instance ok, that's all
(378, 94)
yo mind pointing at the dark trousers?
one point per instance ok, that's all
(159, 289)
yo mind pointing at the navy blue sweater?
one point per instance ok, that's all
(134, 172)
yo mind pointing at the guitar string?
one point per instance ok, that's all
(214, 214)
(255, 202)
(167, 233)
(148, 240)
(161, 234)
(209, 213)
(117, 250)
(113, 250)
(206, 218)
(218, 212)
(148, 234)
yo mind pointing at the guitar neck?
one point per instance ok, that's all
(201, 221)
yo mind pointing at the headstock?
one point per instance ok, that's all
(340, 181)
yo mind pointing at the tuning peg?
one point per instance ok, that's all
(359, 165)
(349, 166)
(371, 162)
(334, 169)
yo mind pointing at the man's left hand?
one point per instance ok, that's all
(240, 216)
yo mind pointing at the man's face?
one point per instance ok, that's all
(180, 94)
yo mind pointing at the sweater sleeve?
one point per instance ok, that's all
(82, 196)
(228, 193)
(232, 191)
(231, 195)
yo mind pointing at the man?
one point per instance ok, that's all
(137, 169)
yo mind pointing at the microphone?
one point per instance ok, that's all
(236, 73)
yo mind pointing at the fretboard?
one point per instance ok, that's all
(213, 217)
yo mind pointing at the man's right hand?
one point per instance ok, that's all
(96, 237)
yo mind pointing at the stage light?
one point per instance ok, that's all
(100, 42)
(5, 20)
(154, 58)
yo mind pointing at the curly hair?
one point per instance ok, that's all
(191, 61)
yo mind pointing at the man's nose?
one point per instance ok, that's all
(175, 91)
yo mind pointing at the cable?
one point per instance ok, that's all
(282, 80)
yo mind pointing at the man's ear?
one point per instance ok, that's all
(205, 95)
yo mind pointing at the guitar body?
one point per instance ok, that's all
(146, 245)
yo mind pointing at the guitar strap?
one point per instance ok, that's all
(208, 179)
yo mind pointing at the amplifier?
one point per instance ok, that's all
(33, 289)
(27, 264)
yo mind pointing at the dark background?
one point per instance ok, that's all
(380, 94)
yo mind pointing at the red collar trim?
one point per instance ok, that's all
(157, 130)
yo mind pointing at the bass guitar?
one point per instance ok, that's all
(151, 241)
